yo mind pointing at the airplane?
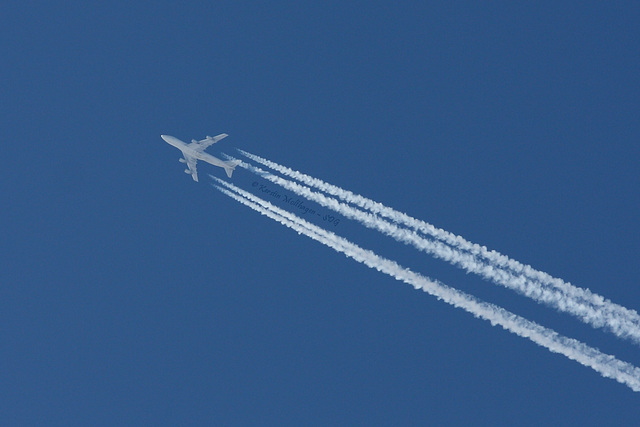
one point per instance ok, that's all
(195, 151)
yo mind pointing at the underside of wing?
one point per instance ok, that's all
(191, 164)
(208, 141)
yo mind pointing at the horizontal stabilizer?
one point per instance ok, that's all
(231, 167)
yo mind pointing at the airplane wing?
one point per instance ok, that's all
(208, 141)
(191, 164)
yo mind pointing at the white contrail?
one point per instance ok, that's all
(595, 316)
(607, 365)
(582, 303)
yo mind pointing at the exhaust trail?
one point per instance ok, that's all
(591, 308)
(596, 317)
(451, 239)
(606, 365)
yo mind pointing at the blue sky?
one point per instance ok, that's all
(132, 295)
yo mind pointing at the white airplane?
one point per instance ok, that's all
(195, 151)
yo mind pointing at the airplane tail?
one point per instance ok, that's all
(231, 167)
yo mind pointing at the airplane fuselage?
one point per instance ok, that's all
(188, 151)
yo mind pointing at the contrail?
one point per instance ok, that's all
(597, 317)
(607, 365)
(591, 308)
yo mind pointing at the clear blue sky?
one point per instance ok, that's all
(130, 294)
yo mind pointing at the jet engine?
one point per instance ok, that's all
(188, 171)
(181, 160)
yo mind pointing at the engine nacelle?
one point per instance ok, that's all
(181, 160)
(188, 171)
